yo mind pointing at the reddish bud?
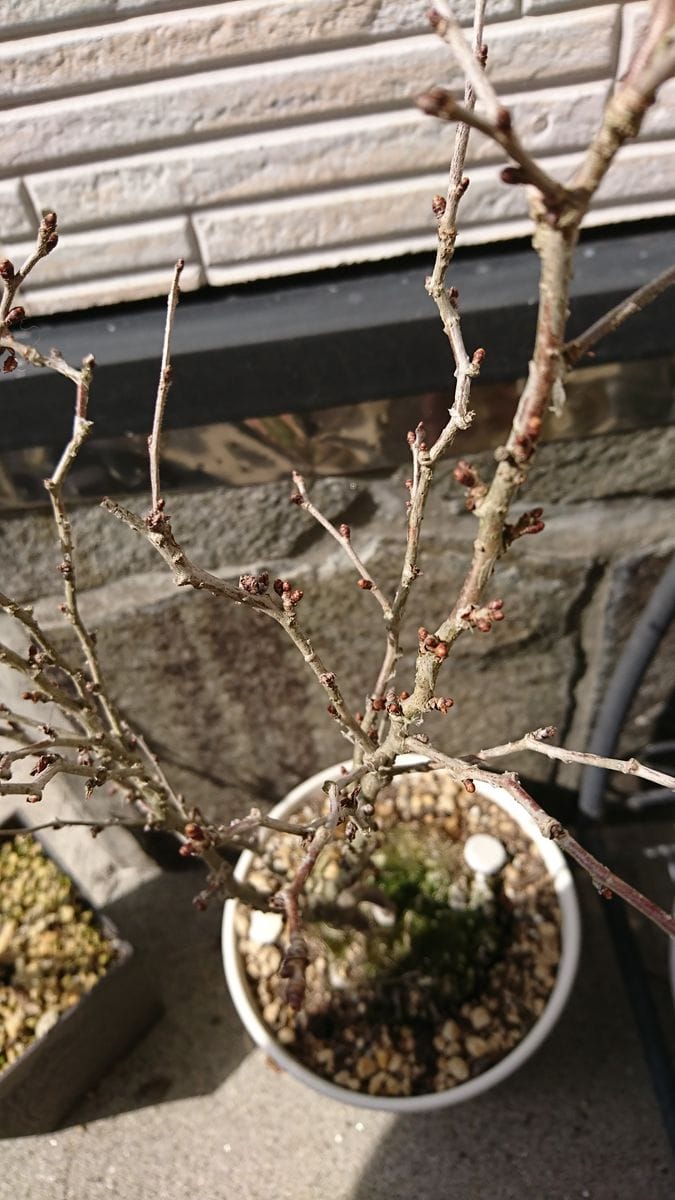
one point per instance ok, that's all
(408, 484)
(52, 242)
(430, 642)
(296, 596)
(345, 532)
(365, 584)
(15, 316)
(6, 270)
(469, 785)
(512, 175)
(194, 831)
(278, 586)
(503, 120)
(296, 498)
(464, 474)
(478, 357)
(438, 206)
(444, 703)
(199, 903)
(422, 633)
(394, 708)
(404, 695)
(438, 102)
(410, 437)
(377, 703)
(463, 185)
(328, 679)
(10, 364)
(483, 625)
(332, 710)
(49, 220)
(441, 650)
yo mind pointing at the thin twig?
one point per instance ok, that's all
(343, 538)
(466, 370)
(440, 103)
(536, 741)
(638, 300)
(58, 823)
(46, 241)
(165, 377)
(187, 574)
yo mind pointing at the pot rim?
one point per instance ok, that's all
(570, 932)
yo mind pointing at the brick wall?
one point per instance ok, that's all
(261, 138)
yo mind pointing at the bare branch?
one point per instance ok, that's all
(95, 826)
(638, 300)
(605, 880)
(536, 741)
(440, 103)
(47, 239)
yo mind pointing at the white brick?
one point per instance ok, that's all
(547, 6)
(40, 66)
(16, 218)
(390, 16)
(111, 251)
(115, 289)
(641, 170)
(174, 42)
(634, 24)
(16, 15)
(341, 218)
(35, 15)
(344, 222)
(299, 88)
(296, 159)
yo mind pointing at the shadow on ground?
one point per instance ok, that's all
(197, 1039)
(579, 1120)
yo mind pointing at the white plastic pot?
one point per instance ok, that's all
(570, 946)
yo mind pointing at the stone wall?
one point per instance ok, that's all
(236, 713)
(262, 138)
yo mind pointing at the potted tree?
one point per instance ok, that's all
(93, 739)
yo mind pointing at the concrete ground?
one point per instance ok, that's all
(194, 1110)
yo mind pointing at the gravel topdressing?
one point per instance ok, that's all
(404, 1027)
(51, 950)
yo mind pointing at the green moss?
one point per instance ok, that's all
(446, 934)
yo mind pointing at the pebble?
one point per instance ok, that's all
(479, 1017)
(265, 927)
(458, 1068)
(365, 1066)
(475, 1046)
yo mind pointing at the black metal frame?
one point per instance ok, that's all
(342, 337)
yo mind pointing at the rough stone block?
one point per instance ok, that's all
(223, 529)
